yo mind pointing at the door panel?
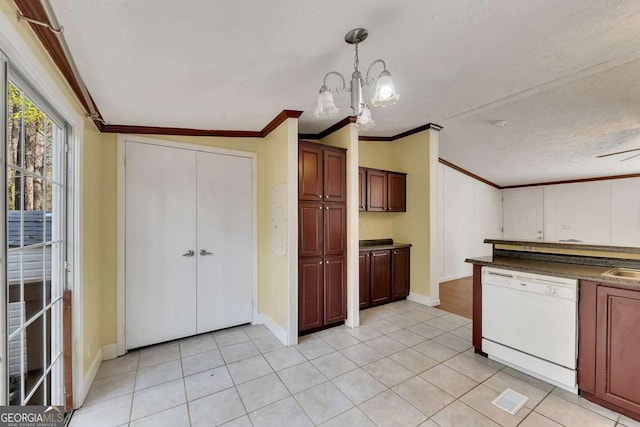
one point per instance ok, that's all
(225, 234)
(400, 273)
(618, 346)
(397, 183)
(364, 266)
(310, 293)
(335, 176)
(380, 277)
(160, 228)
(310, 172)
(376, 191)
(522, 213)
(335, 290)
(335, 229)
(311, 225)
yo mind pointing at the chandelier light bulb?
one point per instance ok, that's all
(326, 107)
(365, 119)
(385, 91)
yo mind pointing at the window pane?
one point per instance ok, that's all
(35, 354)
(38, 397)
(34, 138)
(48, 149)
(33, 215)
(47, 274)
(14, 208)
(14, 126)
(33, 280)
(16, 375)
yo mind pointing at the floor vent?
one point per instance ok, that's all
(510, 401)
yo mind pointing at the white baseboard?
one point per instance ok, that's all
(277, 330)
(88, 378)
(109, 351)
(423, 299)
(454, 277)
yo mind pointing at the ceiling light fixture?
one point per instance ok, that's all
(385, 93)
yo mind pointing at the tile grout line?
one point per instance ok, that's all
(184, 384)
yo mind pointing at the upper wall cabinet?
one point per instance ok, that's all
(320, 174)
(385, 191)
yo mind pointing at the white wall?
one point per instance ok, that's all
(470, 211)
(599, 212)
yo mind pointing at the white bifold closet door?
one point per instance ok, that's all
(189, 239)
(225, 256)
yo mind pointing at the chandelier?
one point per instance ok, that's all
(385, 93)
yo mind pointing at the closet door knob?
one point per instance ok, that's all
(204, 252)
(189, 253)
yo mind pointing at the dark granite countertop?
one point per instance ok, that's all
(565, 245)
(572, 271)
(379, 244)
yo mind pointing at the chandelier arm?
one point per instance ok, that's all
(368, 82)
(342, 88)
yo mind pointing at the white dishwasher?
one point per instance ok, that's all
(529, 322)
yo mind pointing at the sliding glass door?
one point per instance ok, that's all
(35, 246)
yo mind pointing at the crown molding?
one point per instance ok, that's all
(573, 181)
(328, 131)
(470, 174)
(402, 134)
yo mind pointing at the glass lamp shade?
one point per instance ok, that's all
(385, 91)
(365, 120)
(326, 108)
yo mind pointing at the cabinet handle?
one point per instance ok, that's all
(326, 207)
(395, 253)
(319, 195)
(326, 261)
(326, 197)
(320, 262)
(320, 207)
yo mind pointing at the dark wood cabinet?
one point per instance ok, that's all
(364, 267)
(362, 185)
(335, 290)
(384, 276)
(376, 191)
(310, 293)
(335, 229)
(335, 185)
(322, 236)
(608, 346)
(396, 192)
(311, 229)
(380, 277)
(310, 173)
(382, 191)
(400, 270)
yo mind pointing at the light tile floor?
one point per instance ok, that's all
(407, 365)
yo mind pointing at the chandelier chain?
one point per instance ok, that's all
(356, 61)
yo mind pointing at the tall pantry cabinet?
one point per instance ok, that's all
(322, 236)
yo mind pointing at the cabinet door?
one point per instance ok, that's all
(397, 190)
(335, 229)
(618, 347)
(335, 290)
(362, 185)
(335, 176)
(376, 191)
(311, 228)
(380, 277)
(364, 266)
(399, 273)
(310, 293)
(310, 172)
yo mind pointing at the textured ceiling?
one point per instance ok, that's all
(235, 65)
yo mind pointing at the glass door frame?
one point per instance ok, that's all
(60, 207)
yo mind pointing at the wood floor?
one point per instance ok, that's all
(456, 296)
